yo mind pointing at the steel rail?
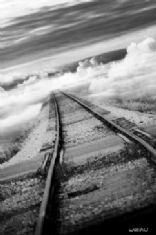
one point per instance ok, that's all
(117, 128)
(49, 187)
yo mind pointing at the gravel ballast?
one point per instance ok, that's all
(102, 185)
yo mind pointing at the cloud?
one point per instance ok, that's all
(122, 1)
(10, 77)
(11, 9)
(24, 102)
(134, 76)
(136, 72)
(20, 117)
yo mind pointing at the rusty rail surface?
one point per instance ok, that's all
(49, 188)
(117, 128)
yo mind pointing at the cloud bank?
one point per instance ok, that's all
(20, 117)
(24, 102)
(134, 76)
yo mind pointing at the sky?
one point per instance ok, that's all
(33, 30)
(37, 36)
(12, 9)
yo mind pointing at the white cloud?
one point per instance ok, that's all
(20, 117)
(134, 76)
(10, 77)
(21, 104)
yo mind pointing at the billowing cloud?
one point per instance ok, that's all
(20, 117)
(10, 77)
(24, 102)
(134, 76)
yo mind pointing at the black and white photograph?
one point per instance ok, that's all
(77, 117)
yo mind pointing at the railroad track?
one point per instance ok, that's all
(100, 176)
(22, 188)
